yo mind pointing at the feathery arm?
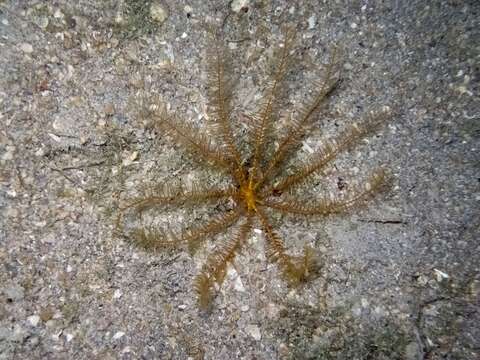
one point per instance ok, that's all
(176, 195)
(220, 94)
(215, 268)
(263, 120)
(298, 128)
(153, 238)
(344, 142)
(332, 205)
(295, 269)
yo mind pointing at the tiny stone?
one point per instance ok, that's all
(46, 314)
(283, 350)
(14, 293)
(129, 158)
(440, 275)
(118, 335)
(254, 332)
(357, 311)
(172, 342)
(34, 341)
(19, 334)
(245, 308)
(311, 22)
(231, 272)
(182, 307)
(117, 294)
(8, 155)
(119, 19)
(109, 109)
(422, 280)
(4, 333)
(158, 13)
(272, 311)
(238, 5)
(26, 48)
(239, 285)
(56, 336)
(40, 152)
(34, 320)
(68, 337)
(58, 14)
(48, 239)
(316, 339)
(43, 22)
(353, 25)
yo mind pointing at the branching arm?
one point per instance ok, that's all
(220, 94)
(193, 140)
(332, 205)
(298, 128)
(263, 120)
(177, 195)
(294, 269)
(215, 268)
(344, 142)
(158, 239)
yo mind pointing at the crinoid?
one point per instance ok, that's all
(260, 183)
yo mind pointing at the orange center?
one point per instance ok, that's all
(248, 194)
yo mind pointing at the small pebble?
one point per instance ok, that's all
(238, 5)
(129, 158)
(46, 314)
(117, 294)
(58, 14)
(26, 48)
(245, 308)
(56, 336)
(43, 22)
(187, 9)
(109, 109)
(254, 332)
(14, 293)
(440, 275)
(272, 311)
(34, 320)
(158, 13)
(118, 335)
(238, 285)
(364, 303)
